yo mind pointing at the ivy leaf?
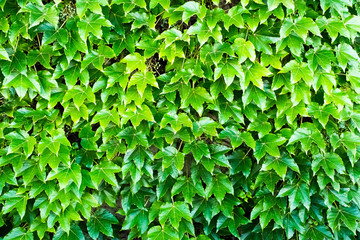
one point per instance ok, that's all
(22, 83)
(137, 217)
(79, 94)
(164, 3)
(129, 5)
(92, 24)
(318, 232)
(105, 116)
(135, 61)
(298, 71)
(174, 212)
(171, 156)
(14, 200)
(141, 79)
(83, 5)
(273, 4)
(205, 125)
(203, 32)
(234, 17)
(196, 97)
(322, 112)
(219, 186)
(236, 137)
(105, 171)
(42, 56)
(159, 233)
(306, 135)
(133, 137)
(3, 54)
(333, 26)
(19, 233)
(74, 233)
(326, 80)
(198, 150)
(254, 73)
(39, 13)
(22, 140)
(268, 144)
(97, 58)
(229, 70)
(101, 221)
(297, 193)
(345, 54)
(347, 215)
(300, 26)
(188, 189)
(176, 121)
(66, 174)
(244, 49)
(291, 222)
(280, 164)
(329, 162)
(191, 8)
(323, 57)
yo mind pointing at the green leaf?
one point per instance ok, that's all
(203, 32)
(174, 212)
(205, 125)
(133, 137)
(219, 186)
(297, 193)
(14, 200)
(19, 233)
(198, 150)
(244, 49)
(66, 175)
(191, 8)
(78, 94)
(321, 57)
(83, 5)
(347, 215)
(280, 164)
(268, 144)
(160, 233)
(307, 135)
(329, 162)
(22, 140)
(236, 137)
(229, 70)
(300, 26)
(234, 17)
(345, 54)
(188, 189)
(92, 24)
(196, 97)
(105, 171)
(171, 156)
(254, 73)
(292, 222)
(322, 112)
(22, 83)
(298, 71)
(273, 4)
(141, 79)
(3, 54)
(101, 221)
(74, 233)
(137, 217)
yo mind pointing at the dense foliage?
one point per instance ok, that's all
(159, 119)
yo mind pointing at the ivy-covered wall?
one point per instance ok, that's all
(159, 119)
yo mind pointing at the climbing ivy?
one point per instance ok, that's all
(159, 119)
